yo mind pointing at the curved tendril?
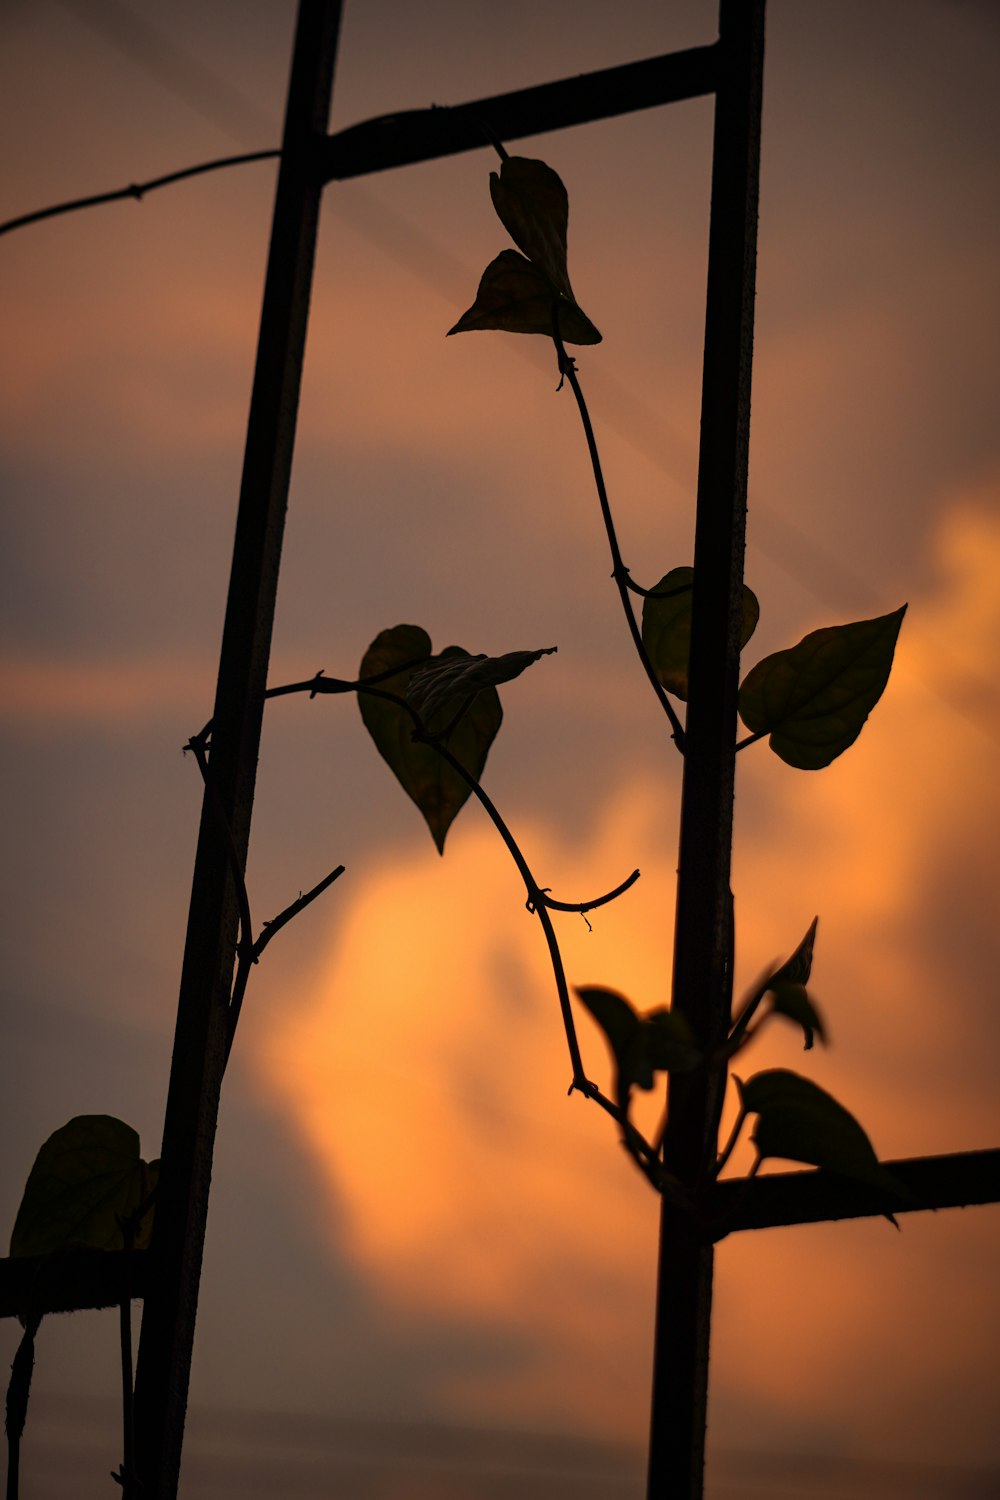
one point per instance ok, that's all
(584, 906)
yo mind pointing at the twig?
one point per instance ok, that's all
(299, 904)
(619, 572)
(134, 190)
(249, 958)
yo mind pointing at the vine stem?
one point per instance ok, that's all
(538, 901)
(619, 572)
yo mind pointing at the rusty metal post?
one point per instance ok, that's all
(703, 940)
(200, 1037)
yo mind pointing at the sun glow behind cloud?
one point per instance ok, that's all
(424, 1068)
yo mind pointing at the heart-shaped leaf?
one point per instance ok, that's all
(428, 780)
(666, 628)
(793, 1000)
(813, 699)
(799, 1121)
(516, 296)
(533, 207)
(87, 1177)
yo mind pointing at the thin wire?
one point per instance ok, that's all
(135, 190)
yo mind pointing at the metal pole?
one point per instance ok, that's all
(703, 939)
(200, 1037)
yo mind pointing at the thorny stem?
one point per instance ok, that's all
(619, 572)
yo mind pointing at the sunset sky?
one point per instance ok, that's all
(412, 1228)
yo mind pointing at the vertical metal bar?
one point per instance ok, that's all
(200, 1037)
(703, 940)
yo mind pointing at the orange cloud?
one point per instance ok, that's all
(425, 1067)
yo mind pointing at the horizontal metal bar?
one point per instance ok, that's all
(424, 134)
(69, 1282)
(94, 1278)
(959, 1180)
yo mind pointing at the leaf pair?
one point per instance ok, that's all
(659, 1042)
(812, 700)
(87, 1178)
(529, 293)
(454, 697)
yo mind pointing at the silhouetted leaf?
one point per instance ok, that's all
(438, 790)
(642, 1046)
(616, 1018)
(799, 1121)
(86, 1177)
(792, 1000)
(666, 628)
(516, 296)
(813, 699)
(798, 968)
(668, 1041)
(533, 207)
(453, 678)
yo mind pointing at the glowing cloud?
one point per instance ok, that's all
(425, 1067)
